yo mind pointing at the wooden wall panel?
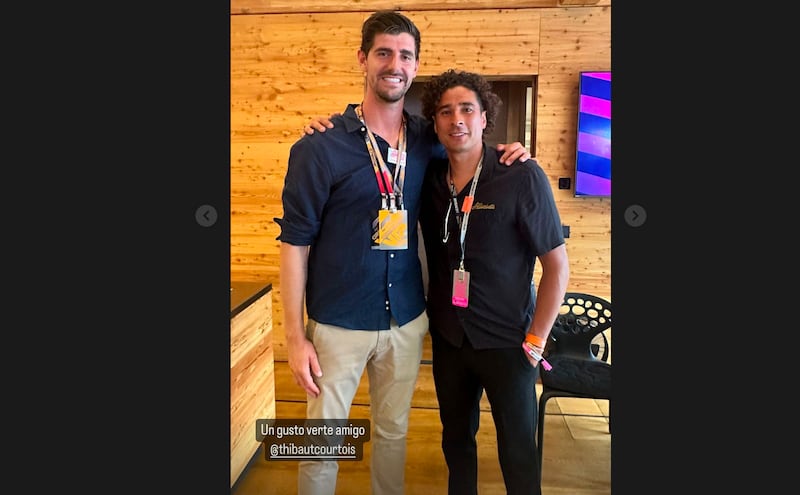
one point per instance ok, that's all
(281, 6)
(573, 40)
(291, 64)
(286, 68)
(476, 43)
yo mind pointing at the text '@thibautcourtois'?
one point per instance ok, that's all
(313, 439)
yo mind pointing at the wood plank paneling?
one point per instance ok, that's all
(573, 40)
(279, 6)
(252, 379)
(476, 44)
(253, 399)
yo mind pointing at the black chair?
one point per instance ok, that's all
(577, 349)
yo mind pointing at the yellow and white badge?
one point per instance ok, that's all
(390, 230)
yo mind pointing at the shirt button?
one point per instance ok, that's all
(390, 284)
(391, 255)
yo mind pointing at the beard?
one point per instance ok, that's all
(392, 95)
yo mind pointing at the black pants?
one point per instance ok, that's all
(460, 376)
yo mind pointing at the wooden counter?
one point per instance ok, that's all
(252, 368)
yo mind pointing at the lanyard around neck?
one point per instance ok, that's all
(466, 207)
(391, 188)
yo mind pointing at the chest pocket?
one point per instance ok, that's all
(484, 222)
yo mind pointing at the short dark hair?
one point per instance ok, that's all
(437, 85)
(387, 22)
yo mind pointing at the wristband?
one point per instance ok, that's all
(535, 355)
(535, 340)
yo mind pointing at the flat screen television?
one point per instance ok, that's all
(593, 147)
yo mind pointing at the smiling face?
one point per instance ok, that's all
(390, 66)
(459, 120)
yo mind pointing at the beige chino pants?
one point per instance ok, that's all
(392, 360)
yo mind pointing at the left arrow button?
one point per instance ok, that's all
(206, 215)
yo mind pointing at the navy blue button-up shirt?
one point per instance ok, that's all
(330, 199)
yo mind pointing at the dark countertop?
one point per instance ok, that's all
(244, 293)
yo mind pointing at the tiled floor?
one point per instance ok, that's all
(576, 459)
(577, 448)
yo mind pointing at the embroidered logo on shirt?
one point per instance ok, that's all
(482, 206)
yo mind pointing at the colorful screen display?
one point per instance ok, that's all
(593, 154)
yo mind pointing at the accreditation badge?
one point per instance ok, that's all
(391, 230)
(460, 288)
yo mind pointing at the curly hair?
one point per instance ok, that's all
(437, 85)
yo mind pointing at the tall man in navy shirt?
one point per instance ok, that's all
(349, 252)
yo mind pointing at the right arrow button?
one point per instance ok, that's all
(635, 215)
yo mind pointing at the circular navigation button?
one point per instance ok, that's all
(206, 215)
(635, 215)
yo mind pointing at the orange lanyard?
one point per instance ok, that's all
(391, 188)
